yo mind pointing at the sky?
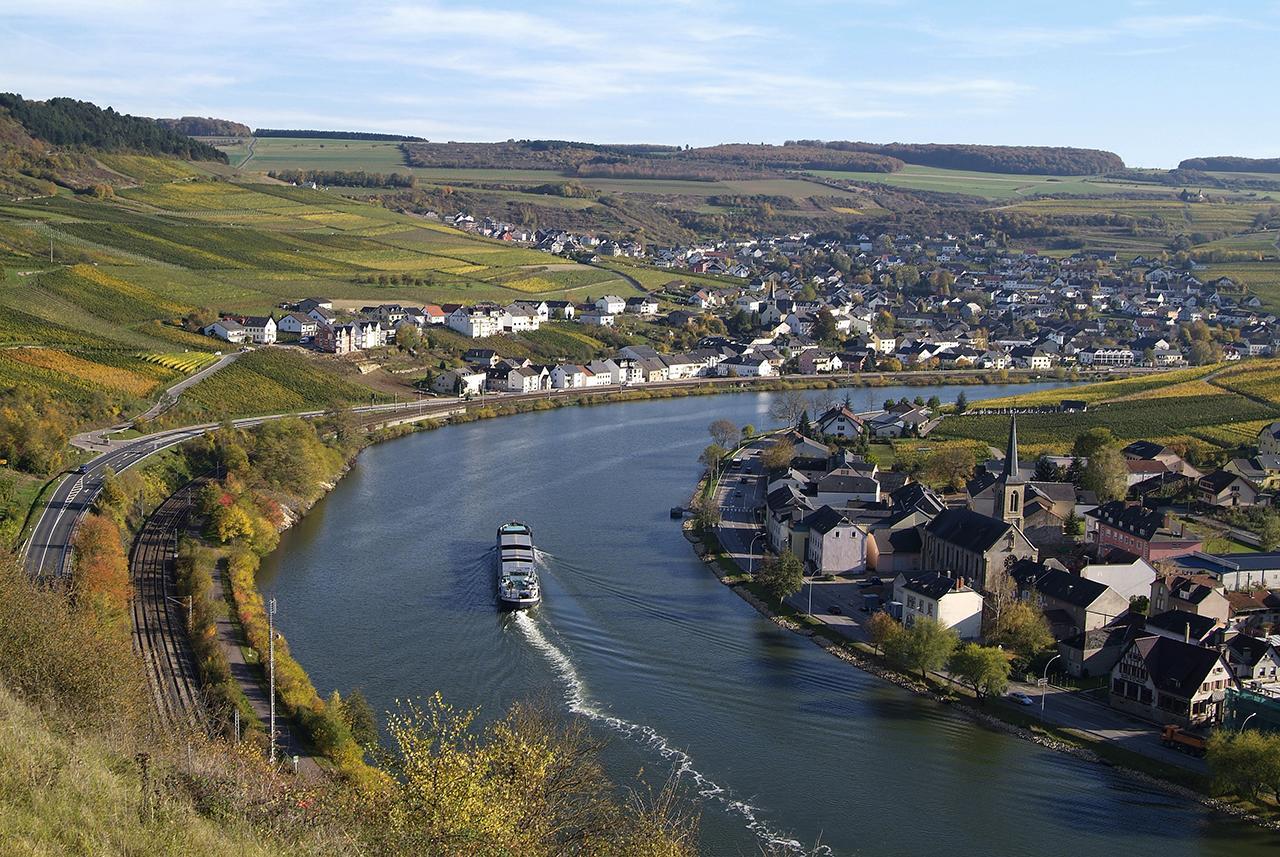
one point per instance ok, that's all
(1152, 80)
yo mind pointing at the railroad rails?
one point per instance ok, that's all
(160, 617)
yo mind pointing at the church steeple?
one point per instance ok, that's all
(1013, 489)
(1011, 469)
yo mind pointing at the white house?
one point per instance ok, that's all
(944, 599)
(302, 326)
(745, 366)
(835, 545)
(1129, 580)
(226, 329)
(459, 382)
(518, 318)
(260, 329)
(527, 379)
(568, 375)
(840, 421)
(477, 321)
(611, 304)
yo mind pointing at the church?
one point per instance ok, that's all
(1038, 509)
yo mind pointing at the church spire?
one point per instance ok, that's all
(1011, 471)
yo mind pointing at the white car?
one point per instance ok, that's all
(1021, 698)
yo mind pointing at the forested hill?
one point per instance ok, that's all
(80, 124)
(206, 126)
(1019, 160)
(1232, 164)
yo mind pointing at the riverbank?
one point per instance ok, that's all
(940, 688)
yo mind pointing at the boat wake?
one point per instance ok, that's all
(773, 841)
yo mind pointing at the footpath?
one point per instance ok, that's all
(253, 681)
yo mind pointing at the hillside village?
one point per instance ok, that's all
(806, 305)
(1136, 602)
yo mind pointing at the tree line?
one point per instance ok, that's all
(206, 126)
(68, 122)
(1018, 160)
(1232, 164)
(346, 178)
(335, 135)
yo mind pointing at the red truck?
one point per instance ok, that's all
(1180, 739)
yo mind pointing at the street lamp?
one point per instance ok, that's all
(1246, 721)
(1044, 684)
(751, 551)
(271, 659)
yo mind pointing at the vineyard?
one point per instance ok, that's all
(1223, 406)
(188, 362)
(271, 380)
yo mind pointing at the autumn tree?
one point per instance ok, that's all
(880, 627)
(100, 570)
(1089, 442)
(1022, 629)
(1106, 474)
(725, 433)
(781, 575)
(779, 454)
(924, 647)
(950, 466)
(712, 456)
(984, 669)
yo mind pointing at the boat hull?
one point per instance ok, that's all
(517, 577)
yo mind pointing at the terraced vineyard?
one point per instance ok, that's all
(1222, 406)
(271, 380)
(187, 363)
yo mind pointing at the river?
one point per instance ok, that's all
(387, 585)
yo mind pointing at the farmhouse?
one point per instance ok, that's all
(226, 329)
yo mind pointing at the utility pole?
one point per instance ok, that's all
(271, 680)
(50, 246)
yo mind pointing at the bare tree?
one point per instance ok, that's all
(725, 433)
(788, 407)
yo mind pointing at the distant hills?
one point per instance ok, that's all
(1232, 164)
(1016, 160)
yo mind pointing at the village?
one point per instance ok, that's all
(1140, 615)
(802, 305)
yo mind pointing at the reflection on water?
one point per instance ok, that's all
(388, 586)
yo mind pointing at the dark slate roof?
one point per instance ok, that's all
(1135, 520)
(846, 482)
(1174, 666)
(1218, 481)
(1178, 621)
(914, 495)
(825, 520)
(1058, 584)
(1144, 449)
(1244, 649)
(934, 585)
(905, 541)
(968, 530)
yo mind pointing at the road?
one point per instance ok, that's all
(170, 396)
(740, 495)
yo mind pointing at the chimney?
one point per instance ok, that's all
(1186, 633)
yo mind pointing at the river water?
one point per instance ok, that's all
(387, 585)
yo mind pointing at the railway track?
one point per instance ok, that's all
(160, 632)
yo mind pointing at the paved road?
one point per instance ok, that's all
(170, 396)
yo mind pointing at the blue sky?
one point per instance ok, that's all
(1153, 81)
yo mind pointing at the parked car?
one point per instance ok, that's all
(1021, 698)
(871, 581)
(835, 608)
